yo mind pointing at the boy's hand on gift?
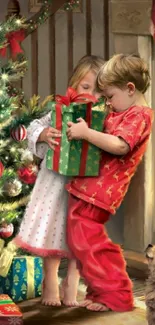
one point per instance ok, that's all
(77, 130)
(48, 135)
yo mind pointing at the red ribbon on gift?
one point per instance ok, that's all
(13, 40)
(72, 97)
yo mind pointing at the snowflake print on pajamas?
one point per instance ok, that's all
(15, 321)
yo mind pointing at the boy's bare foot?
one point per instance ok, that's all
(86, 303)
(50, 294)
(94, 306)
(69, 292)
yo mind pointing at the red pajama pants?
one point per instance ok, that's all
(100, 261)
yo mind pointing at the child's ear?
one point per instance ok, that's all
(131, 88)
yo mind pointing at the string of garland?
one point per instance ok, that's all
(71, 5)
(14, 24)
(44, 13)
(13, 210)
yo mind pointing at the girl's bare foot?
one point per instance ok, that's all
(68, 293)
(50, 289)
(94, 306)
(70, 285)
(50, 294)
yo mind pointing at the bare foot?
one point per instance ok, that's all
(69, 292)
(50, 295)
(97, 307)
(86, 303)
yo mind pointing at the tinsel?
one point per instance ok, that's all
(14, 205)
(6, 123)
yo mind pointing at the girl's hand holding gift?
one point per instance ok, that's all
(47, 136)
(77, 130)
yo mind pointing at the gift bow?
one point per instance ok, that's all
(1, 245)
(73, 97)
(6, 258)
(13, 40)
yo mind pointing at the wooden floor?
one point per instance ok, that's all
(35, 313)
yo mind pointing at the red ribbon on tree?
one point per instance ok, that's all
(13, 40)
(72, 97)
(1, 169)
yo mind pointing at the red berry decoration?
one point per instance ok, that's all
(1, 169)
(6, 231)
(19, 133)
(28, 174)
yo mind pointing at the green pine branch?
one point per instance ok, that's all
(12, 24)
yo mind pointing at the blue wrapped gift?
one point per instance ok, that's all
(24, 279)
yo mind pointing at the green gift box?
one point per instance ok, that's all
(77, 157)
(24, 279)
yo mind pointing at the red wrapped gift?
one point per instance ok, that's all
(9, 312)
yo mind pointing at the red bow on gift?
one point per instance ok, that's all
(72, 96)
(13, 40)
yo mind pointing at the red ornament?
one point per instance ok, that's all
(1, 169)
(19, 133)
(28, 174)
(6, 231)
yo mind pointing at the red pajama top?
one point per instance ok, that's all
(109, 188)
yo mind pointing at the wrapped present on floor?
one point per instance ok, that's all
(9, 313)
(77, 157)
(24, 278)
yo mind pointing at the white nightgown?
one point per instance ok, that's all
(43, 228)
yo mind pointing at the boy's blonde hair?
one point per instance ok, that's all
(87, 63)
(121, 69)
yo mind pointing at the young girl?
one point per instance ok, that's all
(123, 79)
(43, 229)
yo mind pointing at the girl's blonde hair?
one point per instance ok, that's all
(121, 69)
(87, 63)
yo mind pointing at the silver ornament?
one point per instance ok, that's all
(12, 187)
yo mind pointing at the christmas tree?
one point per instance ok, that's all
(18, 167)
